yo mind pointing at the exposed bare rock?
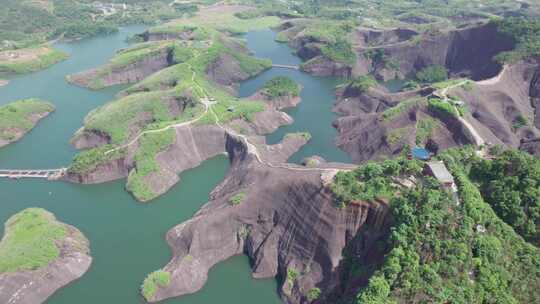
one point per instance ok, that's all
(85, 139)
(323, 66)
(287, 222)
(113, 170)
(372, 37)
(366, 133)
(110, 75)
(464, 52)
(497, 105)
(35, 286)
(377, 99)
(278, 103)
(226, 71)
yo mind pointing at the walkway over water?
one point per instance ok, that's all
(285, 66)
(50, 174)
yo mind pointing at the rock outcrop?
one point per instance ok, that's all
(287, 222)
(464, 52)
(35, 286)
(110, 75)
(377, 124)
(504, 109)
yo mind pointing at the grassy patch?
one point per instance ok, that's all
(154, 281)
(424, 129)
(396, 135)
(362, 83)
(16, 116)
(281, 86)
(150, 145)
(400, 108)
(305, 135)
(29, 60)
(29, 240)
(313, 294)
(115, 118)
(442, 107)
(226, 20)
(237, 199)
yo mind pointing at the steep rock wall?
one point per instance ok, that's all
(465, 52)
(287, 222)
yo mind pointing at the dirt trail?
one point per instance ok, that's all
(444, 93)
(494, 80)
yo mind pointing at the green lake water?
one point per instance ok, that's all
(126, 237)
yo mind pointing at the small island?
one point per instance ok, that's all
(39, 255)
(281, 91)
(19, 117)
(27, 60)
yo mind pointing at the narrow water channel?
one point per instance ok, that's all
(127, 237)
(313, 114)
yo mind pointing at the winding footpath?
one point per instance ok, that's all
(444, 93)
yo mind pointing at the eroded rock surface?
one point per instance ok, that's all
(287, 221)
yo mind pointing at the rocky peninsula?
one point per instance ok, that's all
(38, 256)
(20, 117)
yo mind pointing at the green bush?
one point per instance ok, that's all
(281, 86)
(154, 281)
(432, 74)
(442, 107)
(237, 199)
(313, 294)
(362, 83)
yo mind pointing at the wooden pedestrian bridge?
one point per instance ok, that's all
(49, 174)
(285, 66)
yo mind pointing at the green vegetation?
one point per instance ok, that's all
(226, 20)
(114, 118)
(29, 60)
(313, 294)
(520, 122)
(371, 181)
(424, 129)
(442, 249)
(16, 117)
(340, 51)
(510, 184)
(292, 275)
(363, 83)
(88, 160)
(442, 107)
(401, 108)
(305, 135)
(281, 86)
(154, 281)
(526, 35)
(150, 144)
(30, 240)
(395, 136)
(432, 74)
(237, 199)
(26, 23)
